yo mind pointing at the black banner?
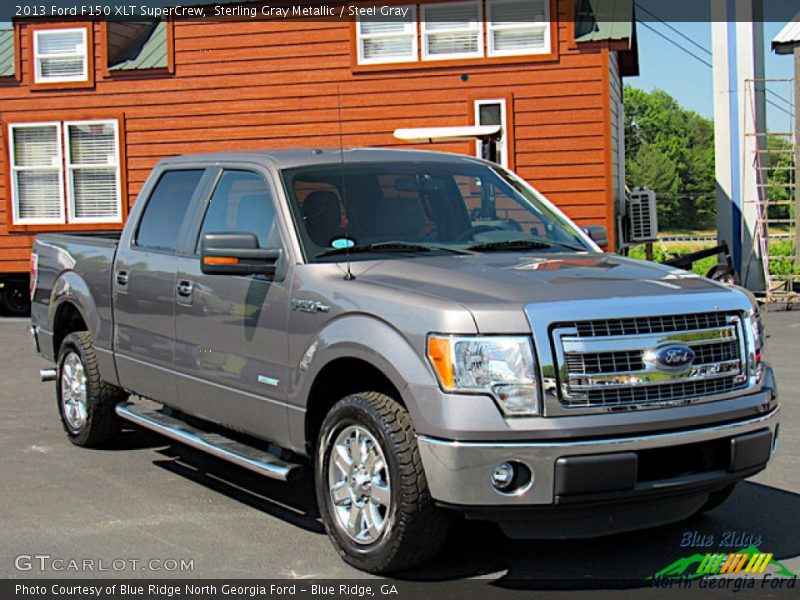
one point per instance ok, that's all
(776, 11)
(305, 589)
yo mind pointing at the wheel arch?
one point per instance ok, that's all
(72, 305)
(345, 359)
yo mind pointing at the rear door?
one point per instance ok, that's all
(145, 272)
(231, 330)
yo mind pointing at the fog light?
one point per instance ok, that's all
(775, 439)
(503, 475)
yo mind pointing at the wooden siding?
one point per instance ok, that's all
(617, 116)
(274, 84)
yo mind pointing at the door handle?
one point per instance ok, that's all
(185, 288)
(122, 277)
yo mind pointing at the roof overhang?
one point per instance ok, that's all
(788, 38)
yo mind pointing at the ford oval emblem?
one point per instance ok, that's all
(672, 358)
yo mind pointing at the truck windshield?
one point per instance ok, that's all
(420, 208)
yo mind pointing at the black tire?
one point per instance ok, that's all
(723, 274)
(100, 423)
(15, 299)
(415, 529)
(717, 498)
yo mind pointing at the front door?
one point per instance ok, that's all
(231, 330)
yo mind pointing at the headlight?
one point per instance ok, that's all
(502, 367)
(756, 340)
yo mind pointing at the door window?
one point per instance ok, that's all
(166, 210)
(241, 203)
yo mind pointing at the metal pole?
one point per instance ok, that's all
(797, 155)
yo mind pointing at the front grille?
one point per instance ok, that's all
(605, 362)
(660, 393)
(633, 360)
(645, 325)
(609, 363)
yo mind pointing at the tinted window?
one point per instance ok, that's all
(166, 210)
(241, 203)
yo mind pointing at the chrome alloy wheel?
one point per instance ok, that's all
(73, 391)
(359, 486)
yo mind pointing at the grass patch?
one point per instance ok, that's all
(665, 250)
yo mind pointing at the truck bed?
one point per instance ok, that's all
(76, 261)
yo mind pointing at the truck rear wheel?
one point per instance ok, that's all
(371, 489)
(85, 402)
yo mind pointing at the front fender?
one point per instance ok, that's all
(365, 338)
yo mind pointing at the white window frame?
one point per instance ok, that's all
(453, 56)
(38, 77)
(71, 168)
(411, 30)
(503, 143)
(16, 219)
(490, 29)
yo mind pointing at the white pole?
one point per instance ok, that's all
(739, 128)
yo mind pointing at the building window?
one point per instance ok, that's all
(37, 185)
(65, 172)
(452, 30)
(60, 55)
(493, 112)
(518, 27)
(93, 189)
(387, 40)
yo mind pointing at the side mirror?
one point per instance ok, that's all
(598, 233)
(236, 254)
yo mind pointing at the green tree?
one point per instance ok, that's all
(671, 150)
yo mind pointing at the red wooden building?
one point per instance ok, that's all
(88, 107)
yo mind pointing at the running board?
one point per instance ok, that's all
(255, 460)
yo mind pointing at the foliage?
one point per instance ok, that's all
(660, 254)
(779, 172)
(664, 251)
(671, 150)
(783, 266)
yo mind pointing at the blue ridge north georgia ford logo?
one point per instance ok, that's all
(675, 357)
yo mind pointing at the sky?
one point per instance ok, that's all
(689, 81)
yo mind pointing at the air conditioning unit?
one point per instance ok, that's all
(642, 217)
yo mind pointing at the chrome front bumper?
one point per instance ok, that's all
(459, 473)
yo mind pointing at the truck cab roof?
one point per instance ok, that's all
(288, 159)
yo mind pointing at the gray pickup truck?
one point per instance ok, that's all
(425, 332)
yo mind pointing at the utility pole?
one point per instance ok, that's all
(739, 130)
(797, 155)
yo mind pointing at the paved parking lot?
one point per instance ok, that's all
(150, 499)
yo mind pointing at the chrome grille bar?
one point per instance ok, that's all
(647, 325)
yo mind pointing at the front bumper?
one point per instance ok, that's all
(572, 471)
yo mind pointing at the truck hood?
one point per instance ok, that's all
(495, 287)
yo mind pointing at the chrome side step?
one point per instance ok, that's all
(215, 444)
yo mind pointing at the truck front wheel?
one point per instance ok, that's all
(371, 489)
(85, 402)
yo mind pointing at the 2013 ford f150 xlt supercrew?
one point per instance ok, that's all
(424, 331)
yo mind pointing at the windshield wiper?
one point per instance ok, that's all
(392, 247)
(521, 245)
(379, 247)
(509, 245)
